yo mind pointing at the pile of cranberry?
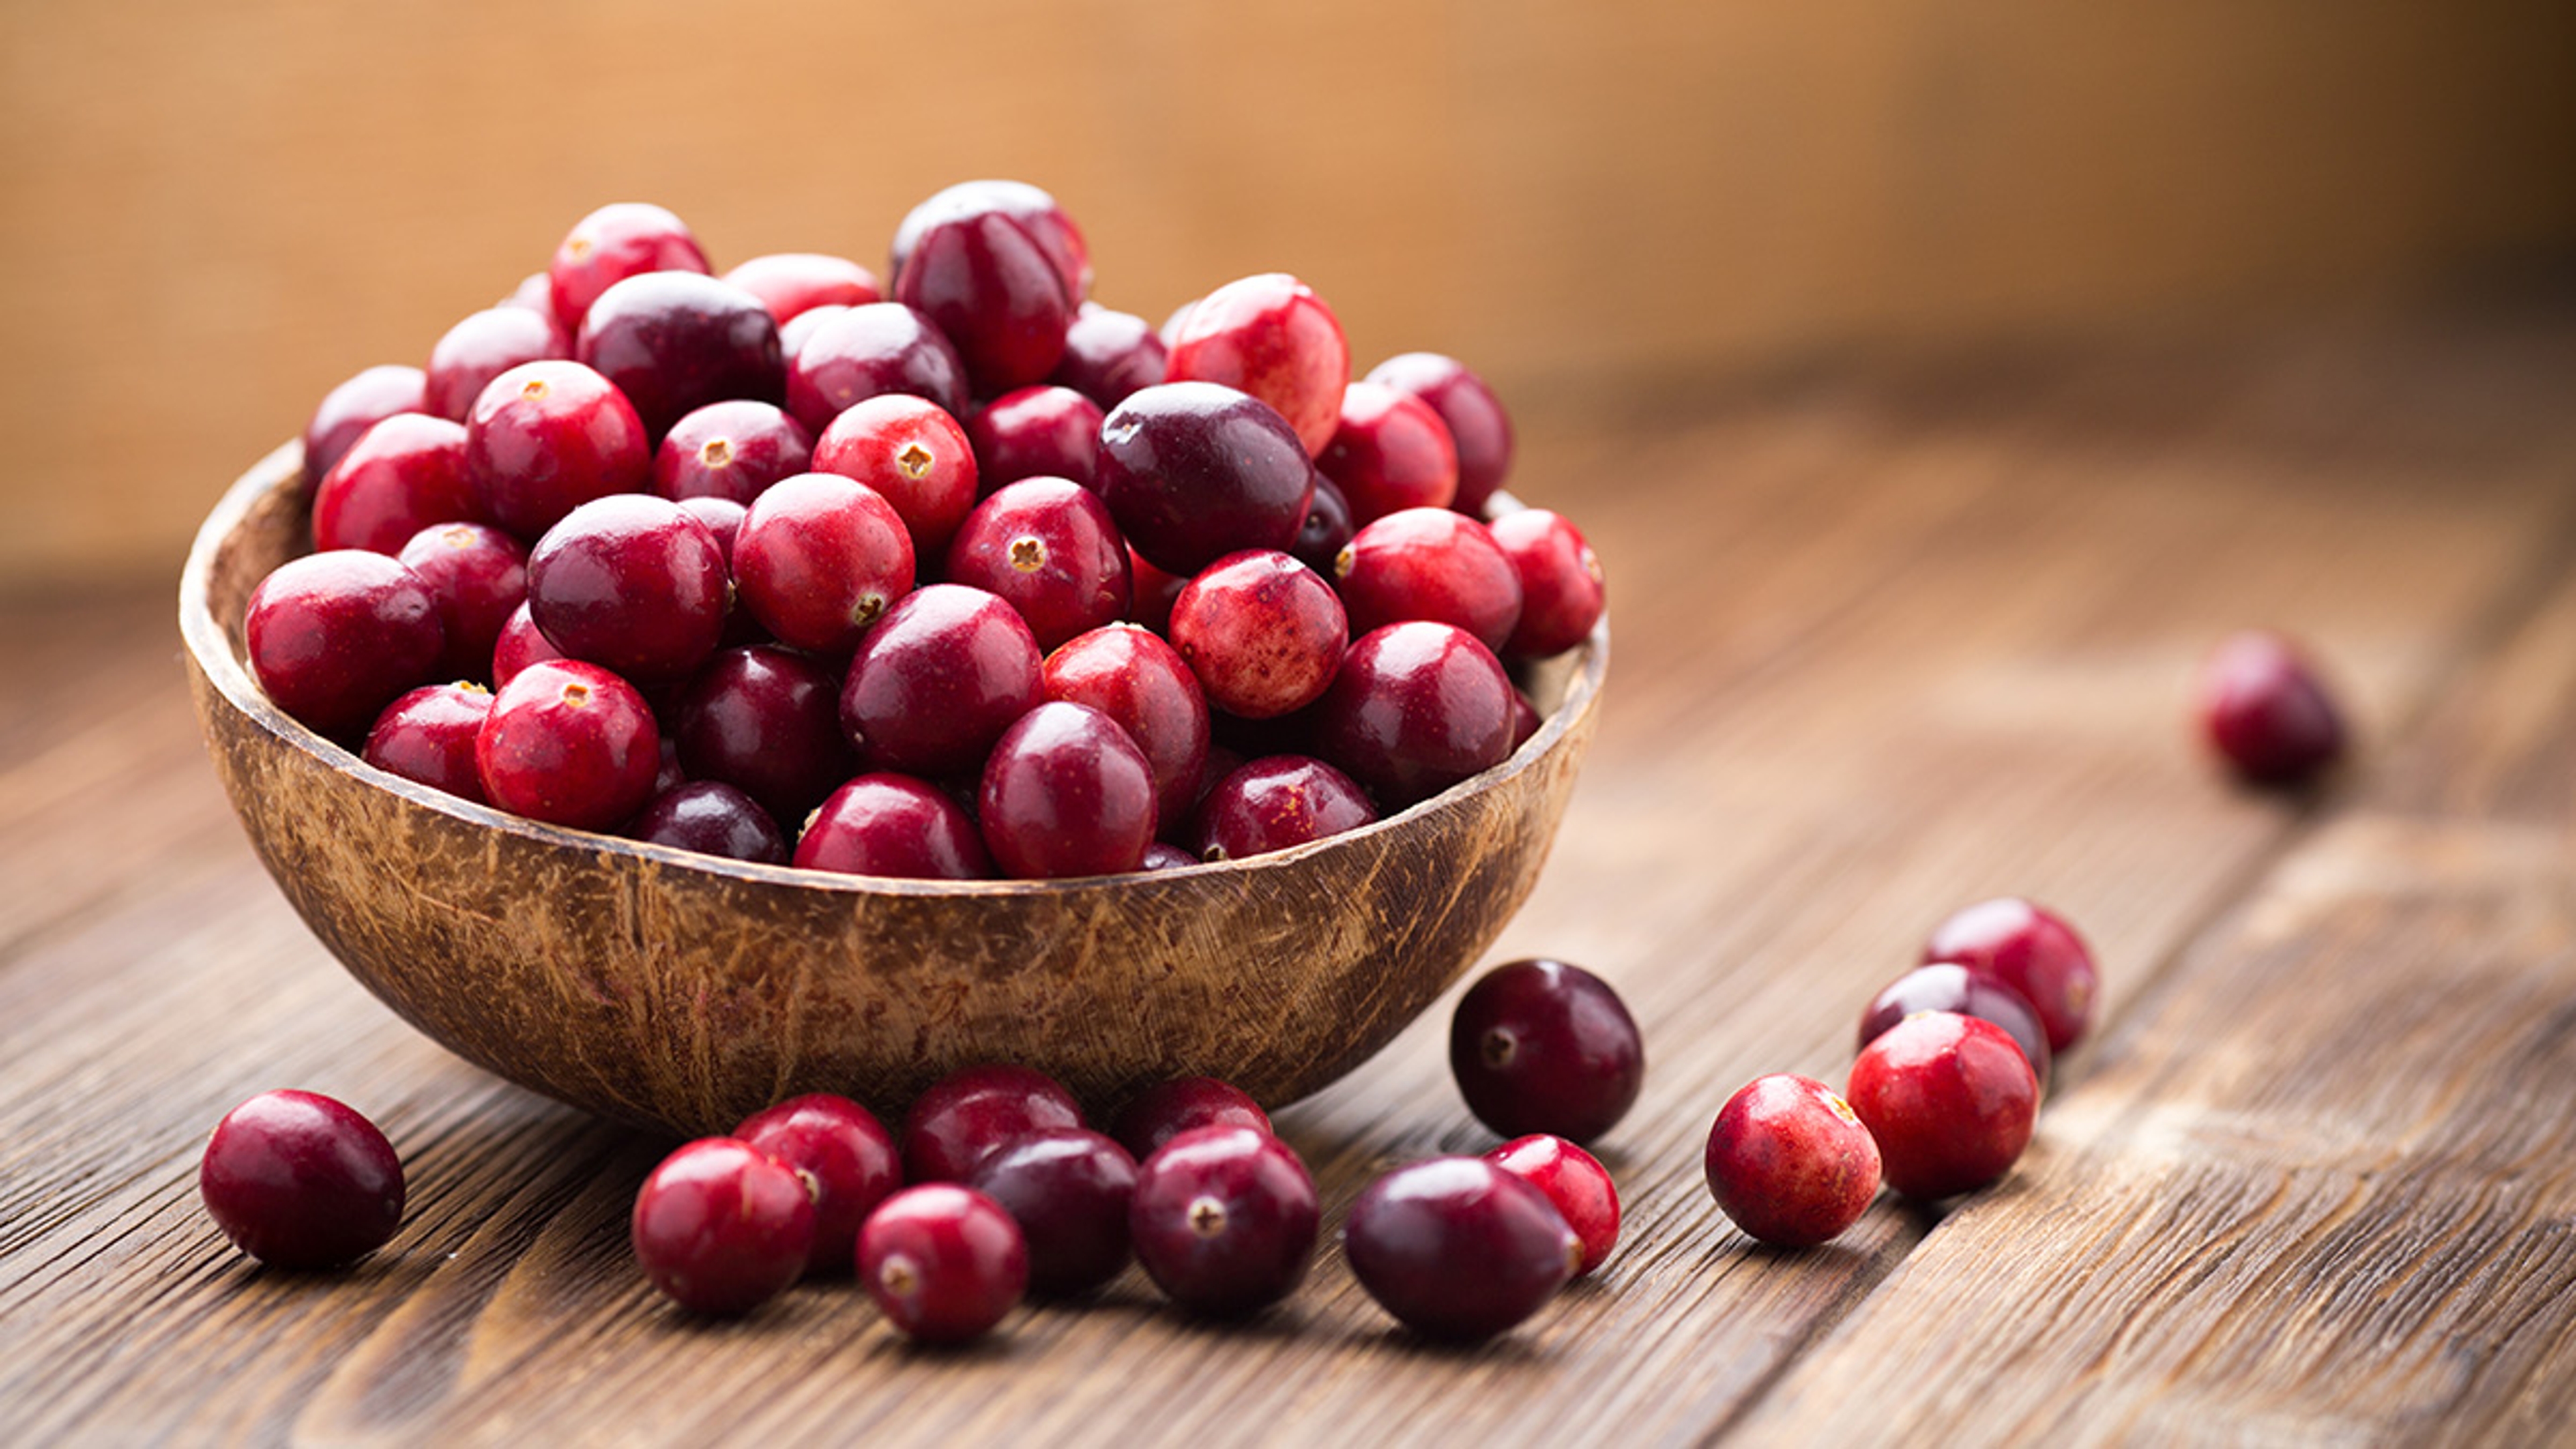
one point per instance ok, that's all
(982, 579)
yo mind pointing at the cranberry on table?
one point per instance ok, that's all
(2033, 951)
(1561, 585)
(944, 1263)
(1276, 802)
(819, 559)
(1456, 1248)
(1109, 354)
(479, 575)
(1184, 1104)
(545, 438)
(893, 825)
(428, 735)
(617, 241)
(883, 347)
(334, 637)
(1048, 547)
(1327, 527)
(1271, 336)
(936, 682)
(1430, 563)
(401, 476)
(631, 584)
(481, 347)
(1036, 432)
(1036, 212)
(1789, 1161)
(517, 646)
(571, 744)
(299, 1180)
(1134, 677)
(1068, 1190)
(1389, 452)
(913, 454)
(357, 404)
(847, 1159)
(1415, 709)
(1263, 633)
(1193, 471)
(1224, 1220)
(1575, 1182)
(732, 449)
(985, 282)
(1948, 986)
(674, 342)
(1066, 793)
(971, 1113)
(2266, 711)
(1949, 1100)
(721, 1227)
(1479, 429)
(1541, 1046)
(767, 721)
(711, 818)
(791, 283)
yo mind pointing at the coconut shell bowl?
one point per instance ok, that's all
(676, 990)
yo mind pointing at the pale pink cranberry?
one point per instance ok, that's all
(1272, 337)
(792, 283)
(1261, 631)
(1561, 587)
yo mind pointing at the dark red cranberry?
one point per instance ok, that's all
(879, 348)
(1193, 472)
(1132, 676)
(1948, 986)
(1276, 802)
(518, 646)
(792, 283)
(480, 348)
(1525, 720)
(1154, 592)
(1389, 452)
(914, 455)
(1949, 1100)
(1109, 354)
(1271, 336)
(1415, 709)
(618, 241)
(2033, 951)
(427, 737)
(768, 722)
(939, 679)
(1067, 793)
(1048, 547)
(711, 818)
(1790, 1163)
(1478, 427)
(1159, 856)
(547, 437)
(1327, 527)
(893, 825)
(1036, 432)
(1560, 580)
(971, 1113)
(667, 774)
(984, 281)
(401, 476)
(722, 518)
(1430, 563)
(1456, 1248)
(944, 1263)
(819, 559)
(333, 637)
(479, 576)
(571, 744)
(632, 584)
(1036, 212)
(1184, 1104)
(796, 331)
(732, 450)
(298, 1180)
(2266, 711)
(1541, 1046)
(1262, 632)
(1575, 1182)
(361, 402)
(674, 342)
(1224, 1220)
(847, 1159)
(721, 1227)
(1068, 1190)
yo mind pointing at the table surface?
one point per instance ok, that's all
(1888, 642)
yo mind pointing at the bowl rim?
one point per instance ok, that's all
(211, 649)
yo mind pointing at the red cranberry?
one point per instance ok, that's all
(1478, 427)
(479, 575)
(618, 241)
(711, 818)
(1947, 986)
(722, 519)
(571, 744)
(1136, 679)
(1790, 1163)
(1415, 709)
(1271, 336)
(1525, 719)
(630, 583)
(879, 348)
(2266, 711)
(333, 637)
(547, 437)
(1193, 472)
(427, 737)
(721, 1227)
(944, 1263)
(2031, 950)
(1277, 802)
(893, 825)
(819, 559)
(347, 411)
(1066, 793)
(536, 293)
(1047, 547)
(1430, 563)
(1036, 212)
(971, 1113)
(796, 331)
(298, 1180)
(1389, 452)
(1456, 1248)
(914, 455)
(1262, 632)
(1108, 355)
(1068, 1190)
(732, 449)
(791, 283)
(1575, 1182)
(1949, 1100)
(1159, 856)
(480, 348)
(847, 1159)
(1326, 529)
(1184, 1104)
(939, 679)
(401, 476)
(518, 646)
(984, 281)
(1560, 581)
(1541, 1046)
(674, 342)
(1154, 590)
(1224, 1220)
(1037, 432)
(768, 722)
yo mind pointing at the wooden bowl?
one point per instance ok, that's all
(667, 988)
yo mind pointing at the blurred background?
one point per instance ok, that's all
(215, 212)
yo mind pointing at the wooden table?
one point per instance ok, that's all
(1888, 643)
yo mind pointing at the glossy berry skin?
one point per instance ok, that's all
(2032, 950)
(333, 637)
(1458, 1249)
(1068, 1190)
(1184, 1104)
(1415, 709)
(1430, 563)
(1036, 432)
(2266, 712)
(1193, 471)
(944, 1263)
(1327, 527)
(299, 1180)
(1950, 1101)
(1162, 856)
(479, 575)
(767, 721)
(1541, 1046)
(914, 455)
(618, 241)
(893, 825)
(357, 404)
(971, 1113)
(796, 331)
(401, 476)
(1276, 802)
(481, 347)
(1561, 584)
(983, 280)
(819, 559)
(518, 646)
(1066, 794)
(791, 283)
(1262, 632)
(545, 438)
(1575, 1182)
(1948, 986)
(1048, 547)
(847, 1158)
(1131, 675)
(711, 818)
(723, 520)
(732, 449)
(722, 1227)
(1790, 1163)
(1525, 720)
(879, 348)
(428, 735)
(1036, 212)
(674, 342)
(938, 680)
(1271, 336)
(1109, 354)
(1389, 452)
(571, 744)
(631, 584)
(1479, 429)
(1224, 1220)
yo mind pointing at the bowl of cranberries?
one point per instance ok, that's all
(690, 690)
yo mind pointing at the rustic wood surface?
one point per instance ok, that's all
(1888, 644)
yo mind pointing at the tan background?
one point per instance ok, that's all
(214, 212)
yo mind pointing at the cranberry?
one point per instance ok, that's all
(1541, 1046)
(1415, 709)
(630, 583)
(944, 1263)
(711, 818)
(722, 519)
(1047, 547)
(1456, 1248)
(1108, 355)
(914, 455)
(480, 348)
(847, 1159)
(1327, 527)
(1525, 719)
(571, 744)
(1136, 679)
(547, 437)
(361, 402)
(1575, 1182)
(791, 283)
(517, 646)
(1193, 472)
(819, 559)
(675, 341)
(796, 331)
(1184, 1104)
(1948, 986)
(1560, 581)
(1224, 1220)
(1277, 802)
(401, 476)
(333, 637)
(1478, 427)
(1790, 1163)
(667, 774)
(1271, 336)
(1430, 563)
(1389, 452)
(535, 292)
(1066, 793)
(1036, 212)
(938, 680)
(1159, 856)
(479, 575)
(722, 1227)
(618, 241)
(298, 1180)
(2031, 950)
(1068, 1190)
(984, 281)
(1154, 590)
(1037, 432)
(971, 1113)
(768, 722)
(1949, 1100)
(427, 737)
(879, 348)
(1262, 632)
(893, 825)
(2266, 711)
(733, 449)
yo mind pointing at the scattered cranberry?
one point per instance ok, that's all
(1276, 802)
(611, 244)
(1478, 427)
(914, 455)
(722, 1227)
(1430, 563)
(545, 438)
(1141, 682)
(711, 818)
(1066, 793)
(939, 679)
(1389, 452)
(819, 559)
(571, 744)
(1224, 1220)
(1068, 1190)
(347, 411)
(732, 449)
(1048, 547)
(1560, 581)
(632, 584)
(1262, 632)
(298, 1180)
(1037, 432)
(1036, 212)
(1790, 1163)
(1326, 529)
(1184, 1104)
(879, 348)
(893, 825)
(971, 1113)
(401, 476)
(986, 283)
(847, 1159)
(944, 1263)
(674, 342)
(518, 646)
(479, 575)
(792, 283)
(480, 348)
(767, 721)
(2031, 950)
(1576, 1182)
(2266, 711)
(1541, 1046)
(427, 737)
(334, 636)
(1193, 472)
(1271, 336)
(1949, 1100)
(1109, 354)
(1948, 986)
(1456, 1248)
(1415, 709)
